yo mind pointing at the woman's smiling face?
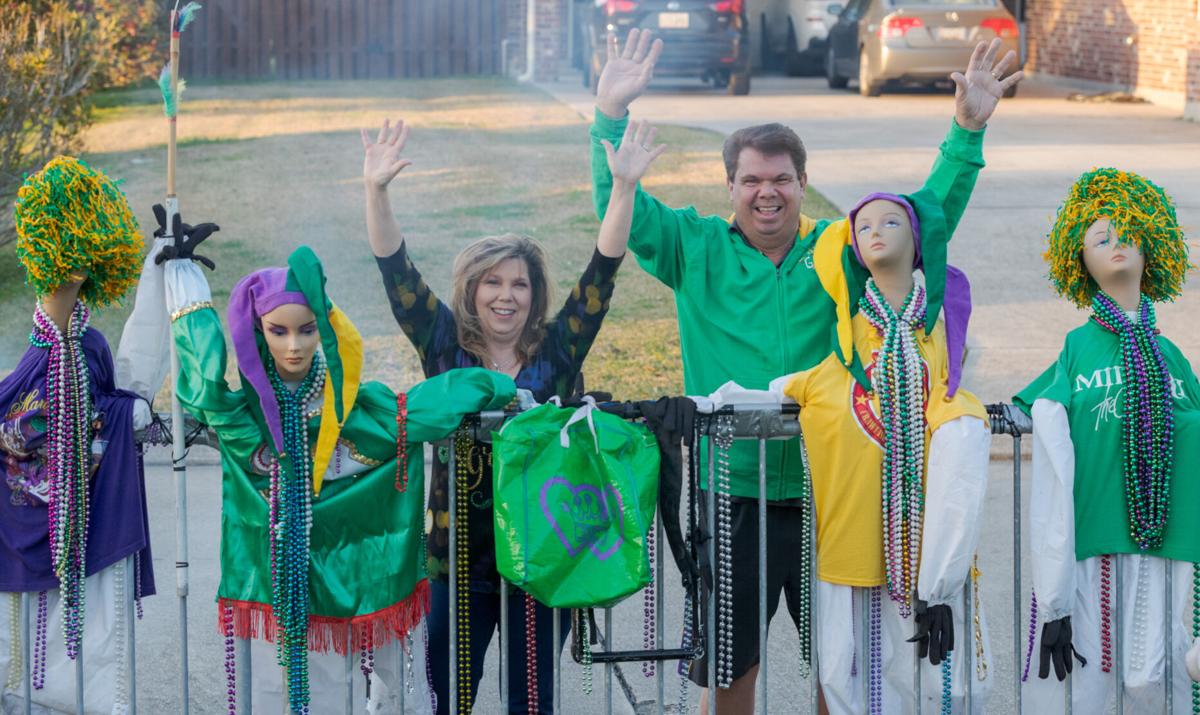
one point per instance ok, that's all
(502, 300)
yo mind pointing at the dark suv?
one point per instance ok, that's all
(706, 39)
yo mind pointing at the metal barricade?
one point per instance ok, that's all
(760, 422)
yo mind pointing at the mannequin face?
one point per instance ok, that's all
(1113, 263)
(292, 338)
(884, 235)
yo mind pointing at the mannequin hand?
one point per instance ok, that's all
(1057, 648)
(186, 238)
(978, 90)
(935, 632)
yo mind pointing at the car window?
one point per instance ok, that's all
(854, 9)
(909, 3)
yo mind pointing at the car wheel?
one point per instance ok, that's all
(1010, 92)
(832, 77)
(793, 62)
(739, 83)
(868, 86)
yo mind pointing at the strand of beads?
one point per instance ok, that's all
(14, 643)
(408, 662)
(68, 459)
(1106, 642)
(685, 643)
(981, 666)
(1137, 657)
(875, 657)
(230, 657)
(1033, 619)
(806, 566)
(291, 526)
(433, 702)
(724, 441)
(137, 583)
(366, 660)
(898, 380)
(38, 668)
(1147, 424)
(402, 442)
(1195, 630)
(648, 639)
(947, 693)
(121, 682)
(531, 664)
(585, 660)
(463, 447)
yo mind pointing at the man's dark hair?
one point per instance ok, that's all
(770, 140)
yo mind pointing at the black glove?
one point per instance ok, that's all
(186, 236)
(672, 420)
(935, 632)
(1057, 647)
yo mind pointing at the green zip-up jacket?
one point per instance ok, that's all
(740, 317)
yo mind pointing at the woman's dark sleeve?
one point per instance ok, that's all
(426, 320)
(575, 327)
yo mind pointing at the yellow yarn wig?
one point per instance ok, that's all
(71, 218)
(1142, 215)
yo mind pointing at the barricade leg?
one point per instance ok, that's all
(1017, 593)
(1118, 641)
(505, 665)
(1168, 639)
(608, 665)
(968, 644)
(556, 692)
(710, 647)
(349, 672)
(131, 634)
(26, 653)
(79, 678)
(660, 541)
(762, 572)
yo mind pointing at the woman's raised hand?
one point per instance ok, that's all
(628, 162)
(381, 158)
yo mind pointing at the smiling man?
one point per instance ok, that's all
(750, 305)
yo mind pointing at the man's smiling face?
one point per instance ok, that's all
(766, 193)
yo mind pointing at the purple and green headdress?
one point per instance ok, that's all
(301, 283)
(948, 292)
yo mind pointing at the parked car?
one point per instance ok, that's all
(808, 25)
(705, 39)
(912, 41)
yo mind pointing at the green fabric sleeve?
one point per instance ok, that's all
(1052, 384)
(657, 231)
(437, 405)
(202, 388)
(952, 178)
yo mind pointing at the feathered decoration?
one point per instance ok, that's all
(1140, 212)
(170, 99)
(185, 16)
(71, 218)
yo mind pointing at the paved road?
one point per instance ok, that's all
(1036, 146)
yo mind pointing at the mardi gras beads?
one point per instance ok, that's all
(463, 446)
(402, 442)
(1147, 425)
(531, 679)
(898, 380)
(68, 459)
(724, 536)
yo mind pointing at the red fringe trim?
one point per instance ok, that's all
(257, 620)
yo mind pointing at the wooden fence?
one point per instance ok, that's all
(344, 39)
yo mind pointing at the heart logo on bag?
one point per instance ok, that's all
(584, 516)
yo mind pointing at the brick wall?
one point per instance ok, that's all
(550, 38)
(1151, 47)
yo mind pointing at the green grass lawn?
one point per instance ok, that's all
(278, 165)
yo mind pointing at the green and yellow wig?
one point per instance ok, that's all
(72, 219)
(1142, 215)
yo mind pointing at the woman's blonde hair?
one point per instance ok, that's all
(476, 261)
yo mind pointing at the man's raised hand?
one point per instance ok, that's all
(627, 71)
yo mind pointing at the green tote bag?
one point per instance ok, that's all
(575, 495)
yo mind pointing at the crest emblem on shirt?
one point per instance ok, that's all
(863, 407)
